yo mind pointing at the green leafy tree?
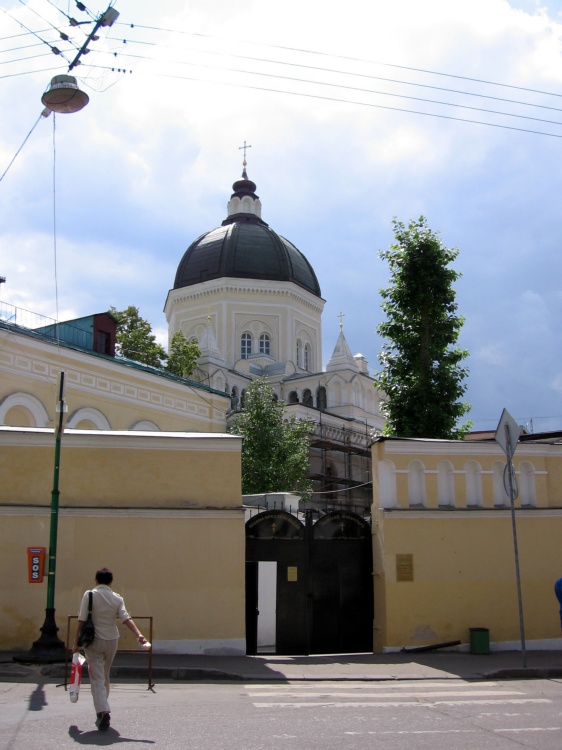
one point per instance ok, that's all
(135, 339)
(422, 374)
(182, 355)
(275, 450)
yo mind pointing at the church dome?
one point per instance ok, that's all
(245, 247)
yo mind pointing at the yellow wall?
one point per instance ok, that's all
(464, 573)
(464, 577)
(188, 573)
(167, 521)
(123, 395)
(122, 469)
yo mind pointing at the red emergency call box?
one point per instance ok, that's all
(35, 564)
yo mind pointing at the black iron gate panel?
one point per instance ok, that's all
(324, 586)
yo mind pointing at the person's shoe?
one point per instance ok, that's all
(102, 722)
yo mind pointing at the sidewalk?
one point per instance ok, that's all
(434, 665)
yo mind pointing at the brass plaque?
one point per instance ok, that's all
(292, 573)
(404, 567)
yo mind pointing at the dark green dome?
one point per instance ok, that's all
(245, 247)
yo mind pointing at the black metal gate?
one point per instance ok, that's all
(320, 578)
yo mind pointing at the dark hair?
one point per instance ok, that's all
(104, 575)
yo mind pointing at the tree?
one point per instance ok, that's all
(182, 355)
(274, 450)
(135, 339)
(422, 375)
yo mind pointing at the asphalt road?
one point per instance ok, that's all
(392, 715)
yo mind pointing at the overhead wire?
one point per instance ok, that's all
(350, 58)
(348, 73)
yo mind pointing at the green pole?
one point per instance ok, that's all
(49, 646)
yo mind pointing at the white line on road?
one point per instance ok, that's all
(420, 694)
(382, 704)
(531, 729)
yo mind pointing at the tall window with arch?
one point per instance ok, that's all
(265, 343)
(473, 473)
(299, 353)
(307, 363)
(246, 345)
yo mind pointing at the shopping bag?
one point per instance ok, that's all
(76, 676)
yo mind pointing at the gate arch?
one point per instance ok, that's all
(320, 577)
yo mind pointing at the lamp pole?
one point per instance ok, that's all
(49, 646)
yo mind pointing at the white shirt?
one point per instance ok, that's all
(107, 606)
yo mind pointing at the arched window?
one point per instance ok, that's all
(299, 353)
(23, 410)
(321, 398)
(307, 357)
(387, 484)
(416, 483)
(473, 484)
(293, 397)
(307, 398)
(501, 498)
(88, 418)
(234, 398)
(265, 343)
(527, 488)
(246, 345)
(445, 484)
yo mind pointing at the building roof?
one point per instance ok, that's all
(245, 247)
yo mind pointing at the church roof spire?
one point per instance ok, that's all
(342, 358)
(244, 199)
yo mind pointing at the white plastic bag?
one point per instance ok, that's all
(76, 676)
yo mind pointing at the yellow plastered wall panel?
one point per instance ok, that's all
(119, 394)
(462, 559)
(464, 576)
(101, 468)
(169, 523)
(187, 572)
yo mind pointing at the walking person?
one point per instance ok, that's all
(107, 606)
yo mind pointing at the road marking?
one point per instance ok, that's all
(359, 684)
(419, 731)
(396, 704)
(420, 694)
(531, 729)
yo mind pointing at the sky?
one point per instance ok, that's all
(356, 113)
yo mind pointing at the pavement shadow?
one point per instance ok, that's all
(37, 699)
(101, 739)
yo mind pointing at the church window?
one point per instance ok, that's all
(321, 399)
(246, 345)
(307, 398)
(307, 357)
(293, 397)
(265, 343)
(299, 353)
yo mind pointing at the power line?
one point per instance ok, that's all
(347, 73)
(353, 59)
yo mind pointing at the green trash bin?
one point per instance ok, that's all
(479, 641)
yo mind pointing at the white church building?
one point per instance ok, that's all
(252, 301)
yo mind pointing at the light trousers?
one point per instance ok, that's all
(100, 655)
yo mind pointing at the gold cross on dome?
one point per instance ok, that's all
(244, 147)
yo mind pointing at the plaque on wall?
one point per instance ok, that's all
(404, 567)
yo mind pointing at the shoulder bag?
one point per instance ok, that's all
(88, 632)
